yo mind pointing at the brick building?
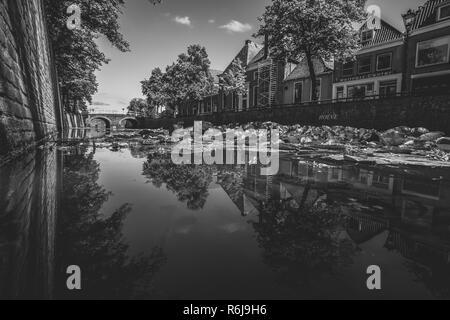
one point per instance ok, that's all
(428, 41)
(265, 80)
(233, 102)
(378, 67)
(390, 62)
(297, 84)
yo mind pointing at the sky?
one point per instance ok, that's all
(158, 34)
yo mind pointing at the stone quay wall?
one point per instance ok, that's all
(431, 112)
(29, 108)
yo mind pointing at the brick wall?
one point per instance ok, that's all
(27, 87)
(431, 112)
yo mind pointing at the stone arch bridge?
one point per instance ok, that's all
(111, 120)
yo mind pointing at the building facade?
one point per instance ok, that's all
(428, 41)
(390, 62)
(265, 77)
(232, 101)
(378, 67)
(297, 84)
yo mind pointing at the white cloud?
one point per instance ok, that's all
(236, 26)
(183, 20)
(212, 21)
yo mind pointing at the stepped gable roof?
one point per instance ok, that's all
(386, 34)
(427, 14)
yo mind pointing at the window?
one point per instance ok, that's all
(339, 92)
(347, 69)
(245, 97)
(298, 90)
(381, 182)
(426, 189)
(202, 107)
(365, 65)
(364, 177)
(366, 37)
(444, 12)
(255, 76)
(433, 52)
(360, 91)
(318, 89)
(388, 88)
(214, 105)
(255, 96)
(384, 62)
(336, 172)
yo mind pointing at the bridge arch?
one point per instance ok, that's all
(106, 120)
(123, 122)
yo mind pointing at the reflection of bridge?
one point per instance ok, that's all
(112, 120)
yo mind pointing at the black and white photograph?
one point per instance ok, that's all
(225, 157)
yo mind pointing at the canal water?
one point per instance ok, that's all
(141, 227)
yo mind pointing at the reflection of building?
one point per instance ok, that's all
(378, 69)
(371, 201)
(423, 202)
(429, 48)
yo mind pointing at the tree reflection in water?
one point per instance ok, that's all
(306, 243)
(189, 182)
(95, 242)
(303, 243)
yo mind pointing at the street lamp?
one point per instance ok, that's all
(408, 20)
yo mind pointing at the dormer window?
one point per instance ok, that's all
(366, 37)
(444, 12)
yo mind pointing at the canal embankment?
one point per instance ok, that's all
(430, 111)
(30, 111)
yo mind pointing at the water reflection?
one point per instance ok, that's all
(95, 241)
(28, 205)
(315, 219)
(141, 227)
(189, 182)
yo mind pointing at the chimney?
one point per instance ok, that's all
(266, 46)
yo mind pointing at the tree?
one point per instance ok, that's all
(154, 89)
(187, 80)
(312, 29)
(234, 80)
(140, 106)
(190, 78)
(77, 55)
